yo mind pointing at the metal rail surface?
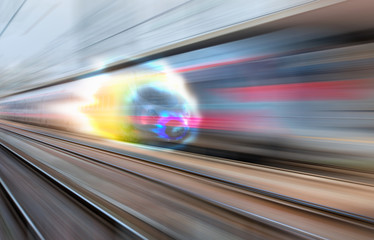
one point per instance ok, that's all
(120, 227)
(320, 208)
(34, 231)
(248, 216)
(344, 216)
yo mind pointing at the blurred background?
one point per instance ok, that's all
(187, 119)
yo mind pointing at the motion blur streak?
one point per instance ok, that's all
(181, 119)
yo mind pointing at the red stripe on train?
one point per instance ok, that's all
(331, 90)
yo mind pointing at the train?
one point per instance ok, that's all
(133, 105)
(291, 93)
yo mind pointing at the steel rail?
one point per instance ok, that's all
(77, 196)
(240, 212)
(21, 212)
(319, 207)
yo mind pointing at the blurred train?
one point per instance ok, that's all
(285, 92)
(135, 105)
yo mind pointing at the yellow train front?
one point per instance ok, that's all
(141, 105)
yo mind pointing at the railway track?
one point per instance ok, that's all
(48, 209)
(254, 225)
(158, 163)
(320, 171)
(14, 223)
(362, 222)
